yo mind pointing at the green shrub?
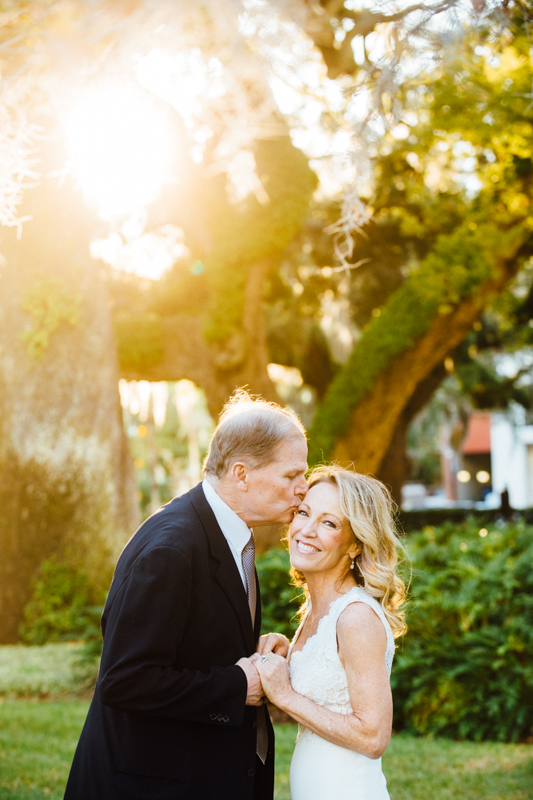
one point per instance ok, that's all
(60, 606)
(279, 599)
(465, 668)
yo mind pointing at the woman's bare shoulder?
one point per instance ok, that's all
(358, 621)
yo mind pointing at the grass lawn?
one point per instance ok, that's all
(437, 769)
(37, 741)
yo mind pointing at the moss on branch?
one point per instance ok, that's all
(457, 267)
(139, 340)
(49, 302)
(245, 236)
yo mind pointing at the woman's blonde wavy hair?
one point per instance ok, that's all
(368, 506)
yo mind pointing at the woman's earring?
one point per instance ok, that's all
(352, 564)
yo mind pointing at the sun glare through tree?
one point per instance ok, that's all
(119, 149)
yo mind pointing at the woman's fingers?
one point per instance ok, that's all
(279, 643)
(273, 643)
(262, 646)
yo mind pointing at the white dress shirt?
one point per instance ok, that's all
(235, 530)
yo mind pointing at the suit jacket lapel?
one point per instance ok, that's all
(227, 573)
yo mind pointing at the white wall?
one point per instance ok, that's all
(509, 457)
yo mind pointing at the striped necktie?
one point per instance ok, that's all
(248, 565)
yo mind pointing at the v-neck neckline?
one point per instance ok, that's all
(302, 623)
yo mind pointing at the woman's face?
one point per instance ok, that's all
(320, 539)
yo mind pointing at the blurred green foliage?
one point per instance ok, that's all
(60, 608)
(165, 447)
(249, 232)
(139, 340)
(280, 600)
(69, 498)
(465, 668)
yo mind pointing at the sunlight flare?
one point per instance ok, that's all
(119, 149)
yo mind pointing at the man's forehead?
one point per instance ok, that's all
(294, 463)
(293, 449)
(294, 443)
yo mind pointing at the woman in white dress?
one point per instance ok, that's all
(335, 681)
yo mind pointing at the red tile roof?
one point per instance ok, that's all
(477, 439)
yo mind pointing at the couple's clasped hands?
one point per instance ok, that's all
(267, 671)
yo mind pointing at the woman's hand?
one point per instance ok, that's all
(274, 673)
(273, 643)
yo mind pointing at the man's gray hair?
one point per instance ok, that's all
(250, 429)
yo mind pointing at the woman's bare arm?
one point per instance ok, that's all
(362, 644)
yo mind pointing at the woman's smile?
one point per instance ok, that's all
(305, 547)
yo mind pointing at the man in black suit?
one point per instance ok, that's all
(178, 705)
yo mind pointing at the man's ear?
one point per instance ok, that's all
(239, 476)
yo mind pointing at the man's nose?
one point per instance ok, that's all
(301, 489)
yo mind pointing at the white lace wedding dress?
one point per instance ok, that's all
(321, 770)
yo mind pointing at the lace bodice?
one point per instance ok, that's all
(316, 671)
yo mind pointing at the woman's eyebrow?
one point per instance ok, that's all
(331, 514)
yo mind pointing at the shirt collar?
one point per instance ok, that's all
(232, 526)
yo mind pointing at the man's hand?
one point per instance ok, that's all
(273, 643)
(255, 695)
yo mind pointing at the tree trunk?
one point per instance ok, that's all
(67, 486)
(394, 468)
(374, 420)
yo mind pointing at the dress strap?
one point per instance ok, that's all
(359, 595)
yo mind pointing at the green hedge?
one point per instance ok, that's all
(280, 600)
(60, 608)
(465, 668)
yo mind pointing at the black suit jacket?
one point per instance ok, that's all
(168, 718)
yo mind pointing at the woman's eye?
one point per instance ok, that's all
(302, 512)
(330, 523)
